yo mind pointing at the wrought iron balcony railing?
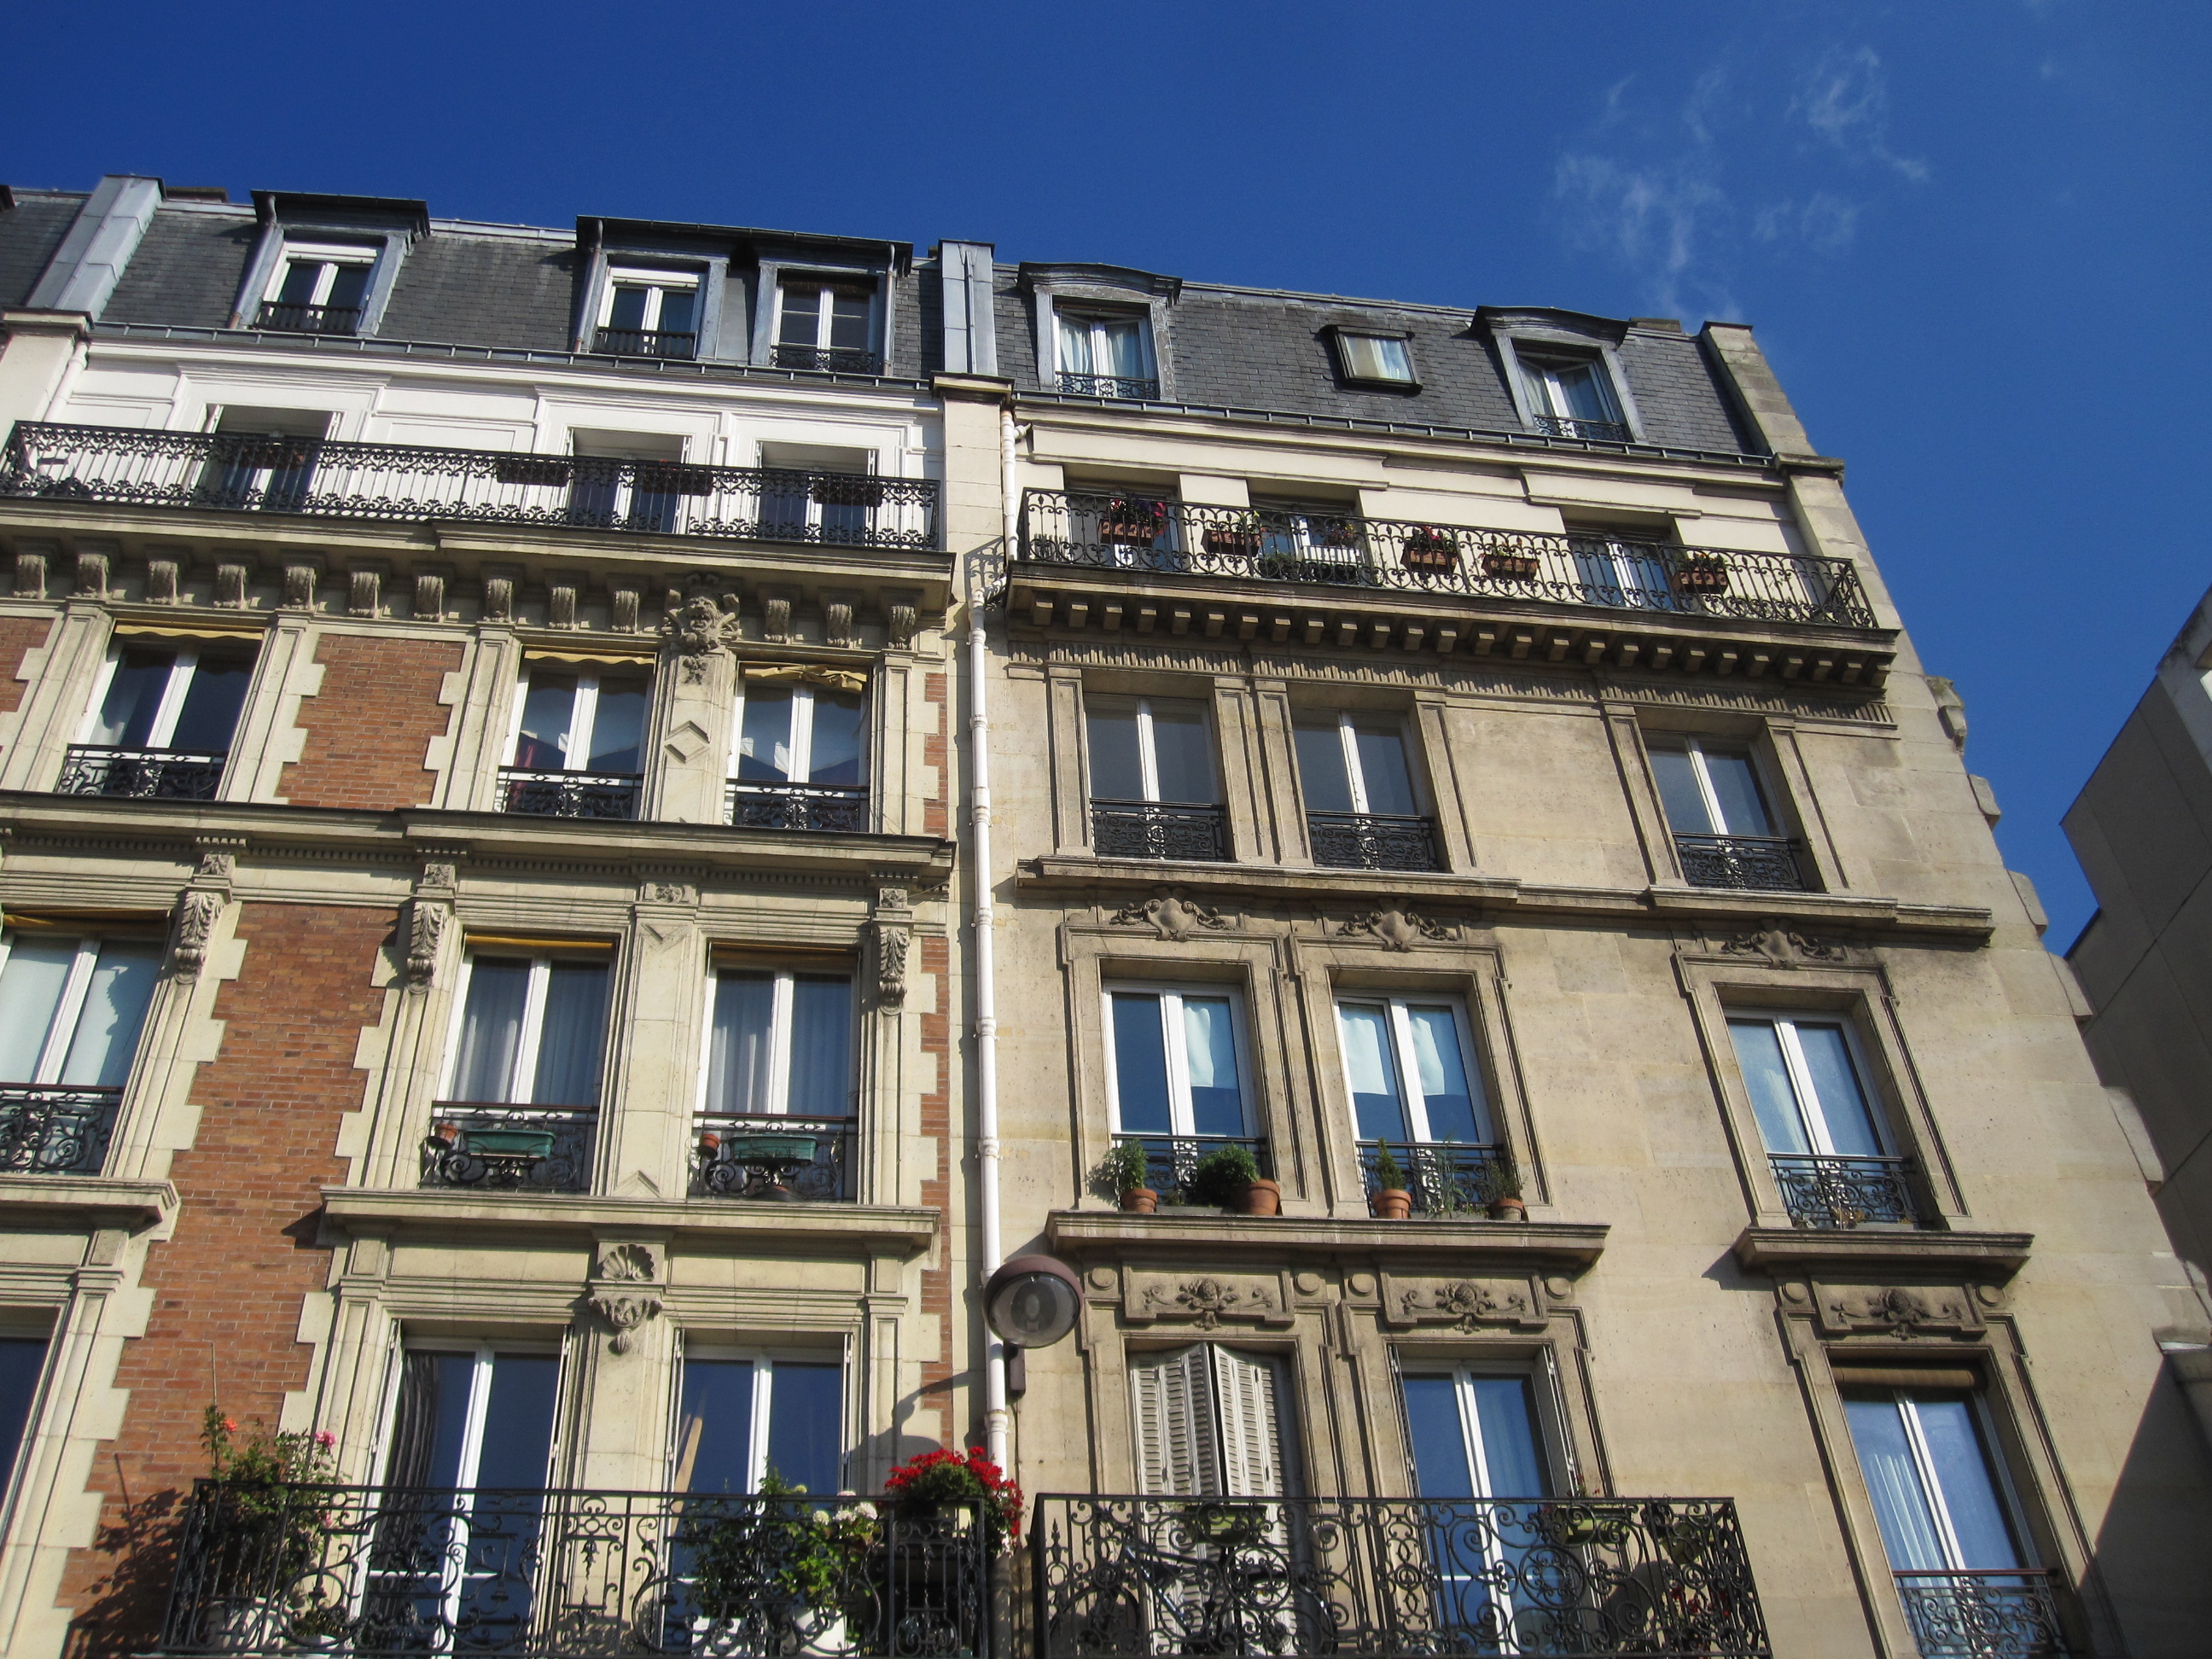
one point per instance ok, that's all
(48, 1129)
(1983, 1615)
(272, 1570)
(1110, 385)
(1567, 425)
(1158, 830)
(485, 1144)
(645, 343)
(1765, 864)
(1171, 1161)
(308, 319)
(92, 768)
(1824, 1191)
(1146, 534)
(238, 471)
(1653, 1577)
(569, 794)
(1372, 841)
(773, 1158)
(829, 360)
(1445, 1178)
(798, 806)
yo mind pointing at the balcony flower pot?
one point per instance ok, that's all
(1230, 542)
(1585, 1524)
(1391, 1204)
(771, 1149)
(1262, 1198)
(1508, 1207)
(1335, 532)
(1511, 561)
(1140, 1201)
(1702, 574)
(1222, 1177)
(1430, 553)
(510, 1143)
(1125, 523)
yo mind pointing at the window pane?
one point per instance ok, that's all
(573, 1036)
(1182, 753)
(134, 695)
(835, 754)
(210, 715)
(1441, 1071)
(1393, 361)
(301, 277)
(738, 1055)
(1679, 793)
(31, 988)
(491, 1028)
(21, 1360)
(849, 320)
(1217, 1105)
(348, 286)
(618, 728)
(1367, 358)
(764, 736)
(1836, 1082)
(1322, 778)
(1586, 394)
(1775, 1102)
(802, 319)
(821, 1045)
(549, 710)
(714, 1426)
(1900, 1506)
(1735, 784)
(107, 1037)
(1116, 771)
(1505, 1413)
(628, 307)
(680, 309)
(518, 1423)
(804, 1425)
(1140, 1064)
(1074, 345)
(1963, 1475)
(1372, 1075)
(1439, 1446)
(1382, 770)
(431, 1424)
(1125, 349)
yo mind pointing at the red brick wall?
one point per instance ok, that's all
(227, 1290)
(936, 752)
(370, 728)
(18, 636)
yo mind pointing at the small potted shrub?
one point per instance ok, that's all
(1124, 1170)
(1502, 1191)
(274, 1490)
(1510, 560)
(1392, 1200)
(1335, 532)
(1129, 521)
(1238, 537)
(920, 1490)
(1430, 551)
(1222, 1177)
(1702, 573)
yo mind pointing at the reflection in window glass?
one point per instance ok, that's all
(1804, 1087)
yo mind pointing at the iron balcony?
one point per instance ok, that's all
(775, 1157)
(1158, 830)
(1172, 1161)
(569, 794)
(90, 769)
(2008, 1614)
(281, 319)
(1761, 864)
(1824, 1191)
(1372, 841)
(815, 807)
(645, 343)
(486, 1144)
(55, 1128)
(1443, 1177)
(828, 360)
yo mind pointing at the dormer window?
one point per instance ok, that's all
(1105, 354)
(317, 290)
(1375, 359)
(1571, 397)
(649, 313)
(827, 327)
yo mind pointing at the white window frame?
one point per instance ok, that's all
(68, 1009)
(801, 735)
(1931, 1489)
(1148, 758)
(1347, 734)
(1410, 1097)
(330, 256)
(824, 305)
(1549, 1434)
(659, 284)
(583, 717)
(1097, 317)
(764, 1362)
(1178, 1058)
(522, 1084)
(183, 665)
(1540, 379)
(1404, 342)
(1815, 1123)
(781, 996)
(1694, 746)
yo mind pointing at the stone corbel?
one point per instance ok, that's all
(625, 597)
(700, 628)
(626, 1277)
(839, 607)
(893, 922)
(561, 604)
(303, 576)
(430, 582)
(500, 582)
(94, 563)
(429, 911)
(33, 560)
(197, 911)
(777, 607)
(165, 575)
(234, 578)
(902, 618)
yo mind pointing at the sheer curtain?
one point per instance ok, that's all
(573, 1036)
(1836, 1081)
(1446, 1100)
(492, 1029)
(31, 989)
(1075, 345)
(1217, 1104)
(1759, 1051)
(1373, 1075)
(1909, 1532)
(107, 1036)
(738, 1054)
(821, 1045)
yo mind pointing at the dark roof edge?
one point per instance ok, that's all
(592, 228)
(270, 204)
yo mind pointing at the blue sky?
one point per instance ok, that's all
(1973, 236)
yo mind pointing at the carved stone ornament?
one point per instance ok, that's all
(1204, 1301)
(441, 873)
(230, 580)
(625, 1312)
(429, 595)
(900, 623)
(837, 620)
(621, 609)
(300, 580)
(499, 599)
(775, 619)
(1774, 940)
(364, 590)
(426, 928)
(216, 864)
(560, 605)
(892, 943)
(30, 574)
(1169, 914)
(162, 576)
(92, 572)
(196, 916)
(1396, 929)
(1466, 1305)
(1906, 1310)
(629, 1263)
(700, 627)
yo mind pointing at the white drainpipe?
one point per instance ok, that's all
(996, 1419)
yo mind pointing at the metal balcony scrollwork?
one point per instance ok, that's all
(1656, 1578)
(50, 1129)
(141, 774)
(1567, 426)
(1822, 1190)
(569, 794)
(1445, 1177)
(1170, 1160)
(1983, 1615)
(283, 318)
(1158, 830)
(1372, 841)
(773, 1158)
(1765, 864)
(819, 806)
(475, 1144)
(645, 343)
(1110, 385)
(828, 360)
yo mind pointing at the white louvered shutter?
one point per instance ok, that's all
(1246, 1392)
(1171, 1398)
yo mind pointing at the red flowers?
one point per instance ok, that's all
(932, 1478)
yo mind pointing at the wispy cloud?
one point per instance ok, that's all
(1658, 219)
(1846, 100)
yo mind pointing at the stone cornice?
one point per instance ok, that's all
(837, 1230)
(1207, 1238)
(1881, 1249)
(42, 1201)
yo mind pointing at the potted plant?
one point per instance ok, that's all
(1335, 532)
(1130, 521)
(772, 1565)
(1238, 535)
(1392, 1200)
(1124, 1170)
(1701, 573)
(1223, 1177)
(1510, 559)
(920, 1490)
(273, 1494)
(1502, 1190)
(1585, 1522)
(1430, 552)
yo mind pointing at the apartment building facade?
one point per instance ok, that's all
(599, 822)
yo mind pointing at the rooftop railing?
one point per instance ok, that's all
(276, 315)
(829, 360)
(1569, 426)
(1143, 388)
(1147, 535)
(645, 343)
(237, 472)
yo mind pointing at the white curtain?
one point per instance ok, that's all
(107, 1036)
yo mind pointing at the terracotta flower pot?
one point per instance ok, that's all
(1262, 1198)
(1508, 1209)
(1392, 1204)
(1703, 576)
(1509, 567)
(1140, 1201)
(1232, 542)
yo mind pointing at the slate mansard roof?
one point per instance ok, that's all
(473, 287)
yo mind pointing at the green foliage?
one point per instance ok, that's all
(274, 1493)
(776, 1552)
(1388, 1177)
(1221, 1176)
(1124, 1167)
